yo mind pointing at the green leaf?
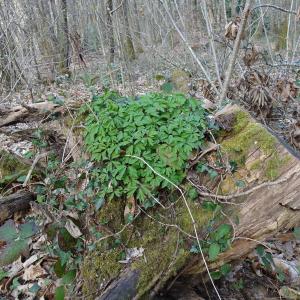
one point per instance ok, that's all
(213, 251)
(21, 179)
(59, 269)
(8, 231)
(260, 250)
(222, 231)
(216, 275)
(27, 230)
(12, 252)
(59, 293)
(209, 206)
(34, 288)
(3, 274)
(68, 277)
(225, 269)
(195, 249)
(212, 173)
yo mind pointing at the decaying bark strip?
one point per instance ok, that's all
(14, 203)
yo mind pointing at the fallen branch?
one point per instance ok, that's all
(246, 193)
(275, 7)
(37, 158)
(22, 111)
(15, 203)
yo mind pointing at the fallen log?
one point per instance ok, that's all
(22, 111)
(267, 202)
(15, 203)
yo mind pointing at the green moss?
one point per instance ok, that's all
(247, 136)
(98, 269)
(165, 247)
(228, 185)
(273, 166)
(111, 215)
(255, 165)
(129, 49)
(10, 168)
(163, 259)
(184, 219)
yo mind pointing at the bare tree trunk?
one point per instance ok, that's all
(66, 43)
(109, 9)
(128, 43)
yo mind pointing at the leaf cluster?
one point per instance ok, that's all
(162, 129)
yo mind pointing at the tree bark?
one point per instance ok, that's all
(15, 203)
(109, 10)
(66, 44)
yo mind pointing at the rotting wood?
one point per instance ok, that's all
(15, 203)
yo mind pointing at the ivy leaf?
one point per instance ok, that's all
(213, 251)
(260, 250)
(222, 231)
(59, 293)
(68, 277)
(240, 183)
(195, 249)
(225, 269)
(8, 231)
(34, 288)
(12, 251)
(27, 230)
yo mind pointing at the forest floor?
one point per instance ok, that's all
(249, 278)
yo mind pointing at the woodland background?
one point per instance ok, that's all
(58, 55)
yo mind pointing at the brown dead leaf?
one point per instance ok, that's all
(33, 272)
(130, 207)
(251, 56)
(73, 229)
(232, 28)
(287, 89)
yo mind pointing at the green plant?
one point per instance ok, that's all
(162, 129)
(218, 241)
(16, 240)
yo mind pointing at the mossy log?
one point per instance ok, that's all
(268, 202)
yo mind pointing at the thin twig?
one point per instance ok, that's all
(37, 158)
(114, 10)
(246, 193)
(190, 49)
(275, 7)
(235, 51)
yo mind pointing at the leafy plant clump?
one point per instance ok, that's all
(159, 128)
